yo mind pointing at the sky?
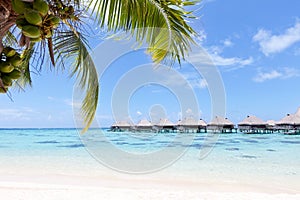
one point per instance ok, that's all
(253, 45)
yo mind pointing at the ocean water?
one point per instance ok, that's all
(272, 159)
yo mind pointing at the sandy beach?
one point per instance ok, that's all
(61, 187)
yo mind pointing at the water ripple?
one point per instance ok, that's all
(72, 146)
(290, 142)
(48, 142)
(232, 149)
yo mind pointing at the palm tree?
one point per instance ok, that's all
(31, 30)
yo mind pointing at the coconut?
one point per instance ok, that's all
(15, 74)
(16, 60)
(41, 6)
(54, 21)
(9, 51)
(31, 31)
(33, 17)
(6, 67)
(19, 6)
(21, 21)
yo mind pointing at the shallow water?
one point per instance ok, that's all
(267, 158)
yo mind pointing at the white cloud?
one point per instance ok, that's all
(213, 57)
(227, 43)
(139, 113)
(290, 73)
(285, 73)
(264, 76)
(216, 58)
(232, 61)
(270, 44)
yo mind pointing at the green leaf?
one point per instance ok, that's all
(25, 79)
(142, 18)
(70, 45)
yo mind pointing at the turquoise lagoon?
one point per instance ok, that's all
(266, 159)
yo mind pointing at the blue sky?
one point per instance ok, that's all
(254, 44)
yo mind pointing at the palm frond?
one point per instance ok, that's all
(161, 23)
(10, 39)
(25, 79)
(72, 45)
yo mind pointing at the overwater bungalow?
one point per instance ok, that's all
(189, 124)
(165, 125)
(286, 123)
(290, 124)
(120, 126)
(144, 125)
(252, 124)
(220, 124)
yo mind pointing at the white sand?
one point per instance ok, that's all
(59, 178)
(26, 186)
(62, 192)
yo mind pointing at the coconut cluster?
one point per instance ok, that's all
(34, 19)
(10, 62)
(64, 11)
(37, 21)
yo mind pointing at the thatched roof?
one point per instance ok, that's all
(289, 119)
(189, 121)
(165, 122)
(121, 124)
(251, 121)
(144, 123)
(201, 122)
(219, 121)
(271, 122)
